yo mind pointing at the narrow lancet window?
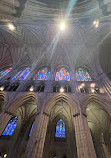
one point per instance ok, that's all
(60, 129)
(10, 126)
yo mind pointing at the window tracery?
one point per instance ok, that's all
(60, 129)
(82, 75)
(9, 129)
(42, 75)
(62, 75)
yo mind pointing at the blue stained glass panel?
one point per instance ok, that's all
(4, 73)
(62, 75)
(11, 126)
(22, 75)
(42, 75)
(60, 129)
(17, 75)
(82, 75)
(31, 130)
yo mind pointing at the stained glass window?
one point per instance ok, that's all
(11, 126)
(62, 75)
(3, 73)
(82, 75)
(17, 75)
(42, 75)
(31, 130)
(22, 75)
(60, 129)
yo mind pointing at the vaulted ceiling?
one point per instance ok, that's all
(37, 41)
(32, 10)
(98, 118)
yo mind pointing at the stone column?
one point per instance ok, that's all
(36, 142)
(85, 148)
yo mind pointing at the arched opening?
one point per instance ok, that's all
(25, 115)
(60, 137)
(99, 124)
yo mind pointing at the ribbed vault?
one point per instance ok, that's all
(41, 44)
(31, 10)
(99, 124)
(26, 113)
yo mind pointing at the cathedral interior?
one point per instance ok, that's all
(55, 79)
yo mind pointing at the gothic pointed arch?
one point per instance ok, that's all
(104, 103)
(64, 97)
(59, 126)
(22, 100)
(26, 113)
